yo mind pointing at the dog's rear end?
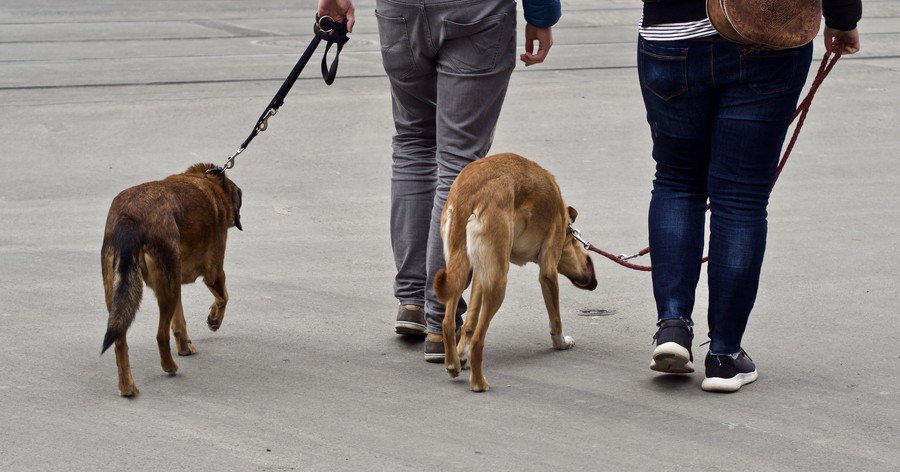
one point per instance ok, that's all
(503, 209)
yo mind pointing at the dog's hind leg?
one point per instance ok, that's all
(471, 321)
(216, 286)
(451, 356)
(168, 300)
(183, 343)
(163, 275)
(161, 269)
(550, 289)
(491, 299)
(126, 381)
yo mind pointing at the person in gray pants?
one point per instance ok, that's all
(449, 64)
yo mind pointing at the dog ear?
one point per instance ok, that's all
(236, 199)
(572, 214)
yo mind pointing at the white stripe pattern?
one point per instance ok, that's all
(676, 31)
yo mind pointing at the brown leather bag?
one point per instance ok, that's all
(773, 24)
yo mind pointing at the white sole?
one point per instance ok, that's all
(408, 327)
(435, 358)
(719, 384)
(671, 358)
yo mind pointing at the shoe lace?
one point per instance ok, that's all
(718, 356)
(661, 327)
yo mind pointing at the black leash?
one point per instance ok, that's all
(332, 32)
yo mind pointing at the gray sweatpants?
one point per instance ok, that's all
(449, 63)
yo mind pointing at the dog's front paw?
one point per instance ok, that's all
(216, 314)
(170, 368)
(453, 368)
(185, 348)
(128, 390)
(479, 385)
(561, 342)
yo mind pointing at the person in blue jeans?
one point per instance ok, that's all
(718, 113)
(449, 63)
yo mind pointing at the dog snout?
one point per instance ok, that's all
(590, 281)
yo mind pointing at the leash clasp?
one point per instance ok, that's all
(625, 257)
(577, 235)
(264, 123)
(230, 162)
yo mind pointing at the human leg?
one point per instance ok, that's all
(676, 86)
(407, 58)
(757, 100)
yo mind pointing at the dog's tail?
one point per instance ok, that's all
(452, 280)
(121, 279)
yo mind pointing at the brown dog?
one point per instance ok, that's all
(165, 234)
(501, 209)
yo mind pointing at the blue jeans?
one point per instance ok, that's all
(718, 114)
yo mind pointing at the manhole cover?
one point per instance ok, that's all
(596, 312)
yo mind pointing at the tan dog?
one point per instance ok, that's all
(165, 234)
(501, 209)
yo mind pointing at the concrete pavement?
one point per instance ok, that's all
(306, 373)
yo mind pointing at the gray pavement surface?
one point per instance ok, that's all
(306, 372)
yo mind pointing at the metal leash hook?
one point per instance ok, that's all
(577, 235)
(264, 124)
(230, 162)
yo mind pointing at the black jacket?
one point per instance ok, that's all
(839, 14)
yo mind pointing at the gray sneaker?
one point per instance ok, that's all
(410, 320)
(434, 346)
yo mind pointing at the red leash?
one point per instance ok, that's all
(825, 67)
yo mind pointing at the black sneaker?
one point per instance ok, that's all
(410, 320)
(728, 373)
(673, 347)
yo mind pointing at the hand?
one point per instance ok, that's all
(544, 37)
(850, 40)
(338, 10)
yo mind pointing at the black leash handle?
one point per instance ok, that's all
(334, 33)
(325, 29)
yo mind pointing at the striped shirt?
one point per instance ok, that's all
(675, 31)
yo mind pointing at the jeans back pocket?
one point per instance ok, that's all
(662, 70)
(470, 48)
(396, 49)
(769, 72)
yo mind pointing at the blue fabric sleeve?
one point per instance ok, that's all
(542, 13)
